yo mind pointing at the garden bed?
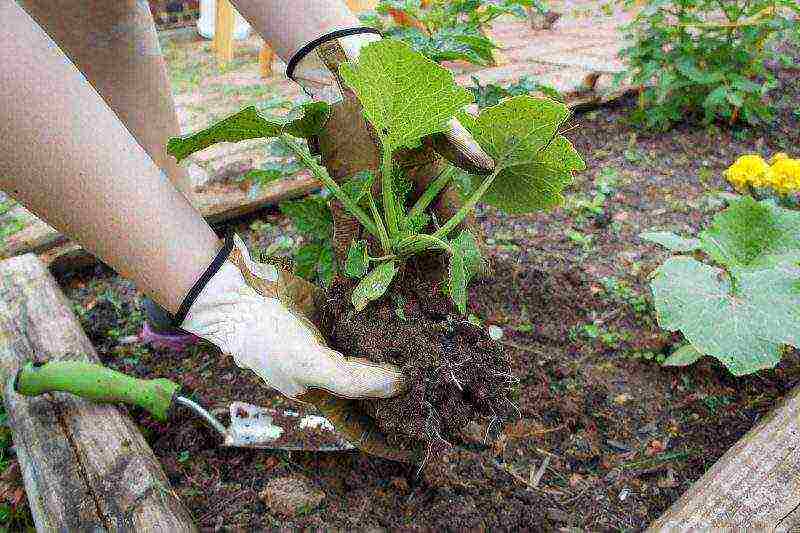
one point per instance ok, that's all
(621, 436)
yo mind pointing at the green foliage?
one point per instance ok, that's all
(743, 312)
(492, 94)
(357, 260)
(465, 263)
(314, 260)
(382, 78)
(10, 226)
(406, 98)
(304, 121)
(536, 163)
(684, 356)
(448, 30)
(706, 59)
(374, 285)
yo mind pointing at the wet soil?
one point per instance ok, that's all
(456, 374)
(616, 437)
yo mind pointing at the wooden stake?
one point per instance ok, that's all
(265, 58)
(356, 6)
(223, 32)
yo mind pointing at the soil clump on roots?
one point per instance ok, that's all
(456, 374)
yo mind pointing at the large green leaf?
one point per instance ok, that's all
(752, 234)
(744, 328)
(374, 285)
(405, 96)
(303, 121)
(537, 163)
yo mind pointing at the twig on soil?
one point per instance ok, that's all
(452, 374)
(536, 478)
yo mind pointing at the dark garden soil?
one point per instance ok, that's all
(620, 436)
(456, 374)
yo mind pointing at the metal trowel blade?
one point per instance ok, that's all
(252, 426)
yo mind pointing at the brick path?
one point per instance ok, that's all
(577, 45)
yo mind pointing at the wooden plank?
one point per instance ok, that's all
(217, 204)
(223, 32)
(85, 466)
(755, 486)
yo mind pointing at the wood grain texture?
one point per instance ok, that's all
(217, 204)
(223, 32)
(85, 466)
(755, 486)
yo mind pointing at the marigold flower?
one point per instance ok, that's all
(785, 175)
(748, 169)
(779, 156)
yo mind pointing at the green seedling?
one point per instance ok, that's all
(448, 30)
(742, 308)
(405, 98)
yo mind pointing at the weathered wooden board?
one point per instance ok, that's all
(85, 466)
(217, 205)
(755, 486)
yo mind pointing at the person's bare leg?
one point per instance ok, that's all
(65, 155)
(114, 44)
(289, 24)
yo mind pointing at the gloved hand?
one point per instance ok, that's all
(261, 315)
(347, 144)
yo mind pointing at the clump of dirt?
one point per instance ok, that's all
(455, 372)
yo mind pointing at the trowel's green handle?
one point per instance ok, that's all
(99, 384)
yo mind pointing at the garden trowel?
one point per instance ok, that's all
(250, 426)
(322, 422)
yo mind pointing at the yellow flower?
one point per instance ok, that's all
(748, 169)
(785, 175)
(779, 156)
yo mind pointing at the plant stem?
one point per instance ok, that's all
(387, 190)
(468, 206)
(432, 191)
(415, 244)
(321, 174)
(382, 258)
(385, 243)
(419, 243)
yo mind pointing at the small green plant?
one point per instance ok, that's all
(534, 162)
(706, 59)
(447, 30)
(491, 94)
(9, 224)
(314, 260)
(743, 307)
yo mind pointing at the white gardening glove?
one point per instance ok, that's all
(255, 312)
